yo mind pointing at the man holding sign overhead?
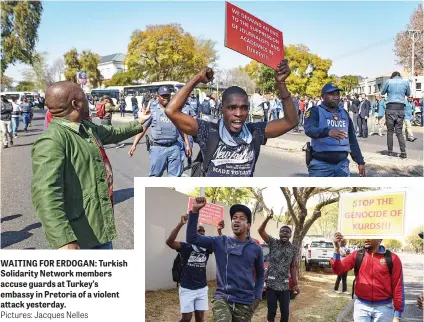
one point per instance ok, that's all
(378, 285)
(231, 147)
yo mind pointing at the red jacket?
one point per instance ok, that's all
(374, 285)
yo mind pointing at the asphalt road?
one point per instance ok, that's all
(413, 266)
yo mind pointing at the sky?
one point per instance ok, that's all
(357, 36)
(274, 198)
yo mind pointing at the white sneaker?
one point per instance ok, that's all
(338, 292)
(346, 292)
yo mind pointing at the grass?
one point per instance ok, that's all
(316, 303)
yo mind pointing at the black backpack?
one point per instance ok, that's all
(177, 268)
(200, 165)
(359, 259)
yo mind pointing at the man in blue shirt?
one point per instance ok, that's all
(332, 137)
(396, 89)
(235, 298)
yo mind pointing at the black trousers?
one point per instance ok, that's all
(342, 278)
(394, 123)
(272, 298)
(363, 126)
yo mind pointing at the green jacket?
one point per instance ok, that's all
(69, 190)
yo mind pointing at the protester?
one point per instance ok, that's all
(134, 103)
(379, 114)
(109, 108)
(379, 270)
(16, 112)
(237, 148)
(302, 109)
(332, 137)
(26, 113)
(122, 107)
(344, 251)
(72, 182)
(257, 106)
(6, 121)
(282, 262)
(396, 89)
(193, 288)
(363, 115)
(235, 298)
(297, 106)
(165, 148)
(266, 110)
(407, 126)
(353, 112)
(186, 150)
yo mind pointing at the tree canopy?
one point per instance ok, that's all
(403, 43)
(25, 86)
(121, 79)
(19, 31)
(167, 52)
(39, 74)
(86, 61)
(414, 241)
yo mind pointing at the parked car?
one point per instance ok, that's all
(318, 254)
(265, 250)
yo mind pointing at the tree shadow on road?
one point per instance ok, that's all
(9, 238)
(11, 217)
(122, 195)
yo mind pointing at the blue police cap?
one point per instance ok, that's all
(164, 90)
(330, 87)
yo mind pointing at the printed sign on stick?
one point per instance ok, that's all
(253, 37)
(376, 214)
(210, 214)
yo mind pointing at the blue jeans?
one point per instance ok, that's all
(26, 118)
(372, 313)
(15, 125)
(107, 245)
(169, 158)
(323, 169)
(135, 111)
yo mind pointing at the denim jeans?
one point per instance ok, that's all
(135, 111)
(169, 158)
(15, 125)
(372, 313)
(323, 169)
(26, 118)
(107, 245)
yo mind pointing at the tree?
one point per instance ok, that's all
(226, 195)
(166, 52)
(40, 74)
(121, 79)
(414, 241)
(403, 43)
(392, 243)
(19, 31)
(6, 81)
(326, 225)
(86, 61)
(57, 68)
(347, 83)
(235, 77)
(25, 86)
(72, 65)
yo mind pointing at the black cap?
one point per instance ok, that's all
(241, 208)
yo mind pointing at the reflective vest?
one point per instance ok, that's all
(162, 129)
(338, 120)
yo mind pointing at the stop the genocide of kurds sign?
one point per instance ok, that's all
(377, 214)
(253, 37)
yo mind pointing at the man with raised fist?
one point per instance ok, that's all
(235, 298)
(378, 283)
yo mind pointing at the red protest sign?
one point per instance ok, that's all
(210, 214)
(253, 37)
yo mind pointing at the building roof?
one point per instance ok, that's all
(110, 58)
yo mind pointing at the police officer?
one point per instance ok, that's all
(333, 137)
(165, 148)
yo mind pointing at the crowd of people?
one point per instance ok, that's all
(242, 280)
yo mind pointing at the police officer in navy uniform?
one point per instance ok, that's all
(165, 147)
(332, 137)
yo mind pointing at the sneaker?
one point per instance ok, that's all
(346, 292)
(403, 155)
(412, 139)
(338, 292)
(390, 153)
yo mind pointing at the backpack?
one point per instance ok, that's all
(359, 259)
(100, 110)
(200, 165)
(206, 107)
(177, 268)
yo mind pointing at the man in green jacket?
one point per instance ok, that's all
(72, 184)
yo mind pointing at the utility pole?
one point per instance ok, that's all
(414, 36)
